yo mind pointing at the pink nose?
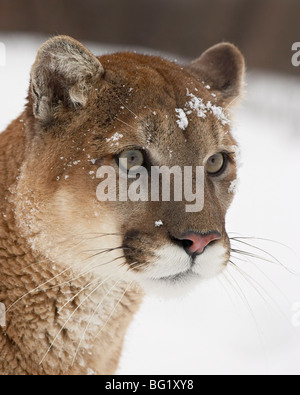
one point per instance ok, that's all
(195, 243)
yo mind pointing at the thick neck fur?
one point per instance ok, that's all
(57, 322)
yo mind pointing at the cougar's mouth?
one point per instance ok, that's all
(173, 271)
(177, 278)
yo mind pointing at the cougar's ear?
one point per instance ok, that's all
(62, 75)
(222, 67)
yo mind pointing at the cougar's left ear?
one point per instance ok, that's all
(222, 67)
(62, 75)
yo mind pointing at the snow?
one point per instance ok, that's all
(218, 113)
(237, 155)
(233, 186)
(195, 104)
(116, 137)
(198, 105)
(182, 122)
(213, 330)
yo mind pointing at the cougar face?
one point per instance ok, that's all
(85, 114)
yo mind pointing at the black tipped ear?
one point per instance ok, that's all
(62, 75)
(223, 68)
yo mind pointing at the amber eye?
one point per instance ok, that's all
(131, 160)
(216, 164)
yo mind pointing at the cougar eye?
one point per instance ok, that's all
(131, 159)
(216, 164)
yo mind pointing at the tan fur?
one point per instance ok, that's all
(69, 264)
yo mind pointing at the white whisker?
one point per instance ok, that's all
(69, 318)
(91, 318)
(115, 308)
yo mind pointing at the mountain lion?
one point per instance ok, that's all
(73, 269)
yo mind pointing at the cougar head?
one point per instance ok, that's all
(130, 113)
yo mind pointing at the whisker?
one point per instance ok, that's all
(263, 239)
(234, 288)
(240, 292)
(70, 268)
(115, 308)
(100, 303)
(96, 309)
(108, 263)
(245, 274)
(250, 281)
(38, 288)
(272, 282)
(275, 261)
(91, 317)
(252, 255)
(107, 251)
(71, 315)
(243, 297)
(34, 264)
(91, 270)
(103, 250)
(125, 123)
(135, 115)
(69, 318)
(224, 288)
(233, 101)
(238, 240)
(82, 274)
(127, 108)
(79, 292)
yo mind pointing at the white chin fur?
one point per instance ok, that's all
(172, 275)
(211, 262)
(168, 289)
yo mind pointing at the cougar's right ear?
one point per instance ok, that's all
(223, 68)
(62, 75)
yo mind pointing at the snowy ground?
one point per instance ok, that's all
(226, 326)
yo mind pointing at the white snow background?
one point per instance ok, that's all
(235, 324)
